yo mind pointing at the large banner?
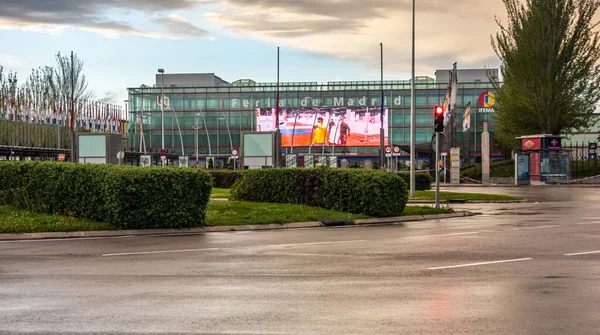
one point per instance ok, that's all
(346, 127)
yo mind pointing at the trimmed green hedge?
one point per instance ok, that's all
(225, 179)
(126, 197)
(423, 181)
(368, 192)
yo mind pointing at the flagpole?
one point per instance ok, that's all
(412, 110)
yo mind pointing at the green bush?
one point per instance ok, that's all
(368, 192)
(422, 180)
(126, 197)
(225, 179)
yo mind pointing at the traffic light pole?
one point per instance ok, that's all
(437, 170)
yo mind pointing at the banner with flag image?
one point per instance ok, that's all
(467, 118)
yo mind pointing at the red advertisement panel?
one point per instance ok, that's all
(528, 144)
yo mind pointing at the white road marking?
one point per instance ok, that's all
(536, 227)
(443, 235)
(583, 253)
(482, 263)
(212, 249)
(74, 239)
(585, 223)
(158, 252)
(313, 243)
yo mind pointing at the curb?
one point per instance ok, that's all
(191, 231)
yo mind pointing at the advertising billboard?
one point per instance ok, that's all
(321, 126)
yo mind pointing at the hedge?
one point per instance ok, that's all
(126, 197)
(357, 191)
(423, 181)
(225, 178)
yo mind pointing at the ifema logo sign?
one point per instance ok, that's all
(487, 100)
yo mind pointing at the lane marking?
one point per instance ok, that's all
(158, 252)
(536, 227)
(583, 253)
(585, 223)
(443, 235)
(482, 263)
(74, 239)
(213, 249)
(313, 243)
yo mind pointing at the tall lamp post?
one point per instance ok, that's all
(162, 112)
(207, 136)
(196, 128)
(230, 141)
(412, 109)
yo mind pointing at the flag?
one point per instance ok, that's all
(467, 118)
(454, 85)
(447, 104)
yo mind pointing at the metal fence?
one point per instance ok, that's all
(584, 160)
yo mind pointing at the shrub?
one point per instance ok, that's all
(225, 179)
(357, 191)
(422, 180)
(126, 197)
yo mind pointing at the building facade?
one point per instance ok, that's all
(213, 116)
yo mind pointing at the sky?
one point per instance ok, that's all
(123, 42)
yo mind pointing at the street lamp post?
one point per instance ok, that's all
(162, 113)
(412, 110)
(196, 128)
(207, 135)
(228, 131)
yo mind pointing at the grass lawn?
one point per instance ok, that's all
(218, 214)
(243, 213)
(22, 221)
(220, 193)
(430, 195)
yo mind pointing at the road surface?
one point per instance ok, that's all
(529, 268)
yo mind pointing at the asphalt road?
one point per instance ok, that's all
(514, 269)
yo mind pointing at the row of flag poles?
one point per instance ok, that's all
(87, 114)
(450, 102)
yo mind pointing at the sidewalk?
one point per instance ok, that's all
(315, 224)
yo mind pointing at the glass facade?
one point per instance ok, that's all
(216, 115)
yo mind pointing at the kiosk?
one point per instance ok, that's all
(542, 161)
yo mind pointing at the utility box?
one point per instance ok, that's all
(98, 148)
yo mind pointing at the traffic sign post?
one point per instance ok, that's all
(388, 151)
(235, 155)
(396, 154)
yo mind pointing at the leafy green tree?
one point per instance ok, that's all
(551, 78)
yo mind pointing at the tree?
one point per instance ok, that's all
(69, 81)
(551, 78)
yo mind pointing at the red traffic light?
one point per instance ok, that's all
(438, 110)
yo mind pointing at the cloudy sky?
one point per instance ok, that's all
(124, 42)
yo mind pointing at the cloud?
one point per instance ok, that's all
(55, 15)
(177, 26)
(111, 97)
(447, 31)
